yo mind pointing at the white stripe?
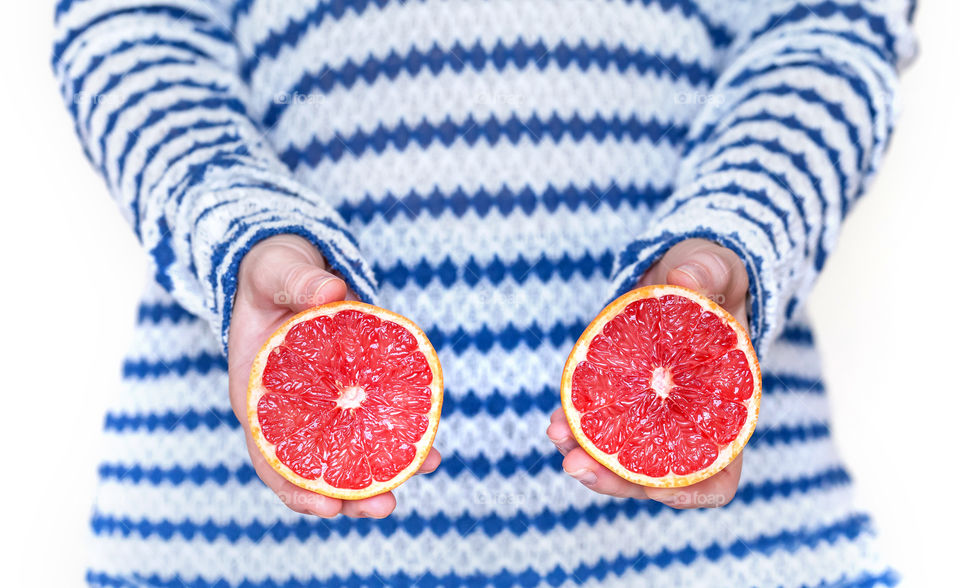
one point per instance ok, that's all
(265, 17)
(457, 96)
(560, 547)
(400, 27)
(484, 166)
(593, 230)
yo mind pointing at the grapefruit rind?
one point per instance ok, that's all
(610, 460)
(256, 390)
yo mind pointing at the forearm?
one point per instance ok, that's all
(163, 116)
(802, 117)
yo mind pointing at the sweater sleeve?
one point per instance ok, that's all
(794, 129)
(162, 114)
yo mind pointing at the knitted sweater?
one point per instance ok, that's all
(497, 171)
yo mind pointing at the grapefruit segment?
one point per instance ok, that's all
(663, 387)
(344, 399)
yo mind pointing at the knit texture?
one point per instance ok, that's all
(496, 171)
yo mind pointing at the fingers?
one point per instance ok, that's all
(708, 268)
(297, 499)
(586, 470)
(375, 507)
(583, 468)
(713, 492)
(431, 463)
(559, 432)
(287, 271)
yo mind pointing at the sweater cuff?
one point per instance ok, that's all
(246, 210)
(728, 229)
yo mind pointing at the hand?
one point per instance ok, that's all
(279, 277)
(718, 273)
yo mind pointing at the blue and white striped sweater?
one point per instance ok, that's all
(496, 170)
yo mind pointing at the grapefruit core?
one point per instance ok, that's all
(663, 387)
(344, 399)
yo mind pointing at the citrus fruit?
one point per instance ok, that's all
(344, 399)
(663, 387)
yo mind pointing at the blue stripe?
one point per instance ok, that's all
(469, 404)
(799, 161)
(815, 136)
(500, 57)
(504, 579)
(851, 528)
(820, 62)
(202, 363)
(124, 47)
(464, 524)
(853, 12)
(177, 14)
(156, 313)
(156, 115)
(797, 334)
(496, 271)
(505, 201)
(114, 80)
(758, 196)
(227, 138)
(492, 131)
(834, 109)
(458, 57)
(754, 166)
(454, 465)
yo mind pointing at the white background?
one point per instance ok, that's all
(885, 311)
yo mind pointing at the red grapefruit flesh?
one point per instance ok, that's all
(663, 387)
(344, 399)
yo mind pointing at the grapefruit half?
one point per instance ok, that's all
(344, 399)
(663, 387)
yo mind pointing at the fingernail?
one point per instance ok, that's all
(697, 272)
(365, 514)
(565, 445)
(317, 287)
(585, 477)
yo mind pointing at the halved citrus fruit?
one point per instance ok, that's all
(663, 387)
(344, 399)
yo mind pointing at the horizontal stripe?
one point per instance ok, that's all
(504, 579)
(469, 404)
(848, 528)
(453, 465)
(491, 131)
(814, 12)
(440, 524)
(172, 15)
(504, 201)
(295, 30)
(457, 58)
(202, 363)
(495, 272)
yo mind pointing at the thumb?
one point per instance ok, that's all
(288, 271)
(710, 269)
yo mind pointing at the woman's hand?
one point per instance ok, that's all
(279, 277)
(719, 274)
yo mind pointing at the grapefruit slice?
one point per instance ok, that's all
(663, 387)
(344, 399)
